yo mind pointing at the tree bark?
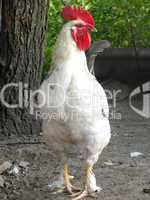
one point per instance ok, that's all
(22, 31)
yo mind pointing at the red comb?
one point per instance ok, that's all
(74, 13)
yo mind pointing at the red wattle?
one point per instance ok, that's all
(82, 38)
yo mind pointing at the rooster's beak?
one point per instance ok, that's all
(94, 30)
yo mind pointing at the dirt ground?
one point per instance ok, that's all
(124, 179)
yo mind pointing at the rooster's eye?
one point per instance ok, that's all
(79, 25)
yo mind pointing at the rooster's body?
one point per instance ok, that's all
(77, 108)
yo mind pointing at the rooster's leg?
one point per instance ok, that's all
(67, 181)
(63, 184)
(89, 180)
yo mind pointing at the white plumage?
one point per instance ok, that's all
(77, 105)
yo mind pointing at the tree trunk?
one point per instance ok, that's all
(22, 31)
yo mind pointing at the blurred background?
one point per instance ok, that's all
(125, 23)
(26, 164)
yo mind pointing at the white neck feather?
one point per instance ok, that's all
(67, 50)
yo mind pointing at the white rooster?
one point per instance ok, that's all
(74, 102)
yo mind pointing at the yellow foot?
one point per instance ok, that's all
(58, 190)
(83, 195)
(69, 188)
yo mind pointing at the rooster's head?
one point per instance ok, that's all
(82, 24)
